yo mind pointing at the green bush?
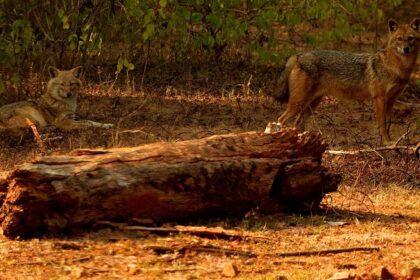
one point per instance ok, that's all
(64, 33)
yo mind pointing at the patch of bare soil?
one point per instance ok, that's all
(376, 207)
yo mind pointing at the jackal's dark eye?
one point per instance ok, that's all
(399, 38)
(410, 38)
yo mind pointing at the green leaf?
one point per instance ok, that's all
(120, 64)
(65, 21)
(163, 3)
(397, 2)
(2, 86)
(129, 66)
(15, 78)
(196, 17)
(60, 13)
(208, 41)
(147, 19)
(295, 19)
(363, 13)
(124, 63)
(310, 39)
(214, 20)
(150, 30)
(380, 14)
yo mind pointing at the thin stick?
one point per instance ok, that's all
(207, 249)
(144, 68)
(401, 138)
(361, 151)
(36, 135)
(136, 111)
(212, 249)
(328, 251)
(213, 233)
(408, 104)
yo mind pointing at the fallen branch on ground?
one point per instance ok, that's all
(372, 150)
(206, 232)
(36, 134)
(213, 249)
(408, 104)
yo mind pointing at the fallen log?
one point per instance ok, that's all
(219, 175)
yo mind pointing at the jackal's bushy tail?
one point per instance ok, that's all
(281, 92)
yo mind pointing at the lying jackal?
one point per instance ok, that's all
(380, 76)
(57, 107)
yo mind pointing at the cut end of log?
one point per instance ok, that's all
(216, 176)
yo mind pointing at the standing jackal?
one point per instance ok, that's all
(380, 76)
(56, 107)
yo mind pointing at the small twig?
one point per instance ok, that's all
(36, 135)
(213, 233)
(212, 249)
(117, 133)
(133, 131)
(52, 138)
(171, 270)
(401, 138)
(356, 152)
(328, 251)
(113, 83)
(144, 68)
(408, 104)
(207, 249)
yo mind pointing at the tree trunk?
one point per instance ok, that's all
(219, 175)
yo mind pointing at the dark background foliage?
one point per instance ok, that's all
(127, 35)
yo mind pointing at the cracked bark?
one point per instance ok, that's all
(215, 176)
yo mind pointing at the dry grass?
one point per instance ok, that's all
(379, 199)
(108, 254)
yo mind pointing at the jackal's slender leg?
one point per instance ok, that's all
(305, 114)
(380, 107)
(300, 90)
(287, 114)
(389, 114)
(89, 123)
(67, 123)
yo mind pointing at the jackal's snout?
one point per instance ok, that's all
(406, 50)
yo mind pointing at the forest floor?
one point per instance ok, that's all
(376, 206)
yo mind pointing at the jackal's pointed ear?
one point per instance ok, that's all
(77, 71)
(415, 24)
(53, 71)
(392, 25)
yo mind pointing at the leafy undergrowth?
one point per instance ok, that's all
(376, 206)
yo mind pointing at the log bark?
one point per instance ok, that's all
(219, 175)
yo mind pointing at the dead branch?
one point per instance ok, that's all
(328, 251)
(206, 232)
(408, 104)
(208, 249)
(373, 150)
(37, 137)
(401, 138)
(220, 250)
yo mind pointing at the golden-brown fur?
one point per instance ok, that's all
(380, 76)
(56, 107)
